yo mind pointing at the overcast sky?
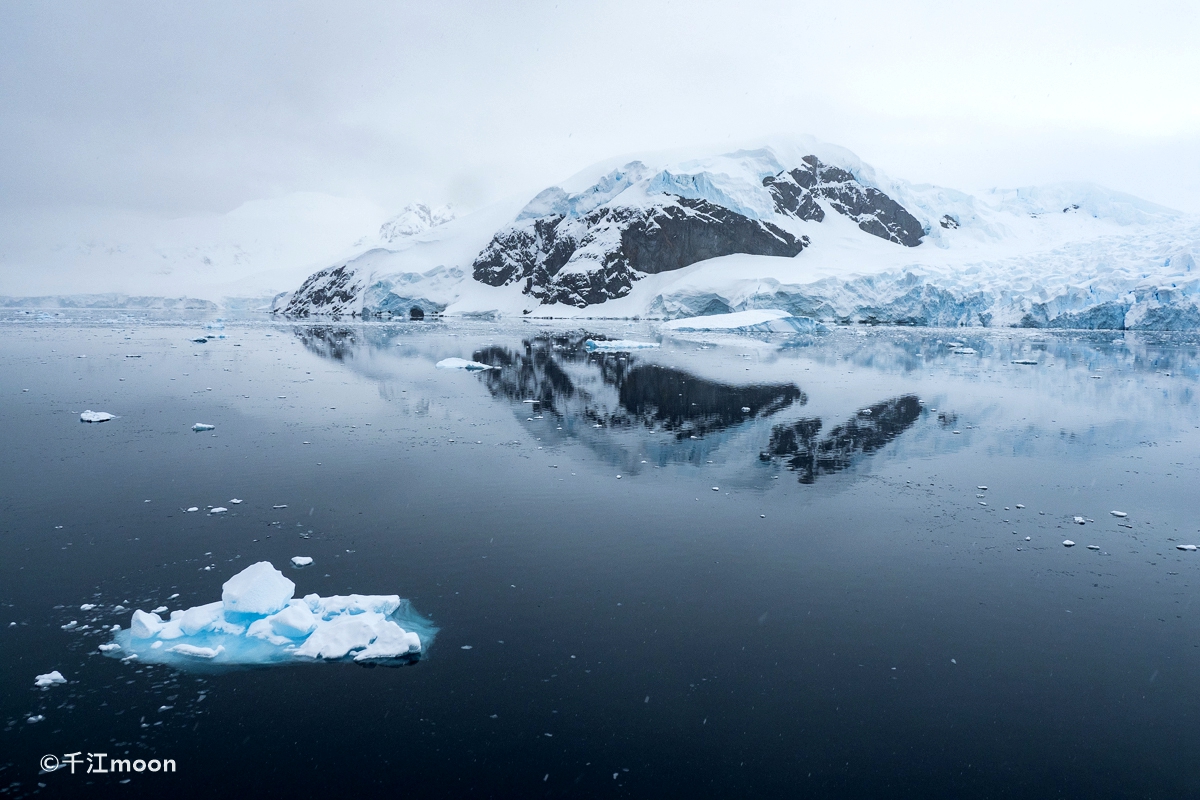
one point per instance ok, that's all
(174, 108)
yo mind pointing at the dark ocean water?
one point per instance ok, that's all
(782, 595)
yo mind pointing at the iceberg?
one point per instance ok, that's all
(765, 320)
(49, 679)
(96, 416)
(462, 363)
(258, 621)
(618, 345)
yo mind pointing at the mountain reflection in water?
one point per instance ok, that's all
(864, 433)
(553, 371)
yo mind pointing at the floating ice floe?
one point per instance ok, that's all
(618, 344)
(1093, 547)
(35, 718)
(235, 502)
(218, 510)
(87, 606)
(96, 416)
(1080, 521)
(301, 561)
(1188, 547)
(109, 647)
(1120, 514)
(258, 621)
(462, 363)
(49, 679)
(203, 426)
(1068, 543)
(767, 320)
(1025, 362)
(964, 351)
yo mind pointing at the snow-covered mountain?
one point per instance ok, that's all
(413, 219)
(800, 226)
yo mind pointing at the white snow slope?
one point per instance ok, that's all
(1065, 255)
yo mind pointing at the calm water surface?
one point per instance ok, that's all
(750, 567)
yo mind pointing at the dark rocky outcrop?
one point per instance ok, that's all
(599, 256)
(331, 291)
(796, 193)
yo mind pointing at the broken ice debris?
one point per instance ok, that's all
(1120, 514)
(49, 679)
(35, 718)
(301, 561)
(1068, 543)
(218, 510)
(745, 409)
(462, 363)
(203, 426)
(108, 648)
(964, 351)
(754, 321)
(1025, 361)
(1080, 520)
(618, 344)
(257, 621)
(1093, 547)
(87, 606)
(235, 501)
(1189, 547)
(96, 416)
(192, 508)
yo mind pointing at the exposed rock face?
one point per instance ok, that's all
(796, 193)
(333, 290)
(598, 256)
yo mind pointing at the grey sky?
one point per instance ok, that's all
(174, 109)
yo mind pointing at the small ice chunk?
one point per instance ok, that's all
(301, 561)
(1188, 547)
(109, 648)
(235, 502)
(145, 625)
(96, 416)
(1120, 514)
(218, 510)
(1019, 505)
(258, 589)
(981, 488)
(159, 610)
(196, 652)
(87, 606)
(35, 718)
(618, 344)
(49, 679)
(716, 488)
(282, 506)
(1025, 361)
(201, 618)
(1080, 520)
(462, 363)
(203, 426)
(70, 625)
(1068, 543)
(193, 508)
(1093, 547)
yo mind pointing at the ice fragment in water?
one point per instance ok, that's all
(1080, 520)
(203, 426)
(108, 648)
(616, 344)
(282, 629)
(87, 606)
(193, 508)
(96, 416)
(258, 589)
(49, 679)
(235, 502)
(1068, 543)
(1093, 547)
(462, 363)
(1025, 361)
(301, 561)
(218, 510)
(1120, 514)
(35, 718)
(1189, 547)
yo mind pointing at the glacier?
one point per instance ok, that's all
(258, 621)
(797, 226)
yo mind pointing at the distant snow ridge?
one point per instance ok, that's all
(414, 219)
(799, 227)
(257, 621)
